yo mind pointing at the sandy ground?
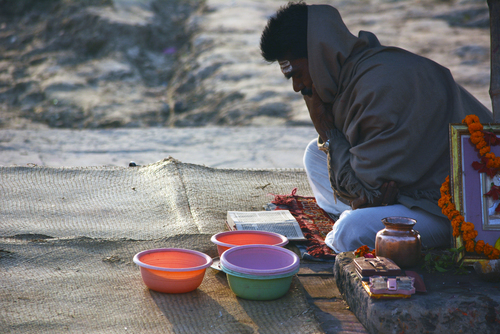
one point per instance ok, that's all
(232, 147)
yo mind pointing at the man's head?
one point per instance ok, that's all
(284, 39)
(286, 33)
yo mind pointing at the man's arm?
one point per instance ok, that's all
(388, 195)
(321, 116)
(323, 121)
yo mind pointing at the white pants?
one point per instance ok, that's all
(356, 228)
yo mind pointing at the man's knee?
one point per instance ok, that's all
(353, 218)
(355, 228)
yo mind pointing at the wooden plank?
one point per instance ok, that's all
(316, 268)
(323, 287)
(329, 306)
(342, 320)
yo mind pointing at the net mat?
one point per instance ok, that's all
(68, 236)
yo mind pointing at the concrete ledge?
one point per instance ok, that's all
(453, 303)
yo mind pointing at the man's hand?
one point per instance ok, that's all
(388, 196)
(320, 114)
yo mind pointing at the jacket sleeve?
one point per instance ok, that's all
(342, 177)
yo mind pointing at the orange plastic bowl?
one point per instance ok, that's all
(172, 270)
(229, 239)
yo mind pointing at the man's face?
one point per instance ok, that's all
(298, 71)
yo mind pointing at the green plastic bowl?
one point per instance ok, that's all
(259, 272)
(257, 288)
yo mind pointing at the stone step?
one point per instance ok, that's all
(452, 303)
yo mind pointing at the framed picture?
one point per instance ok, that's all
(468, 188)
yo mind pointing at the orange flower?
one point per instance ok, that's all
(470, 119)
(473, 127)
(489, 156)
(479, 246)
(481, 144)
(458, 220)
(456, 223)
(484, 150)
(467, 227)
(364, 251)
(361, 251)
(493, 163)
(446, 198)
(448, 212)
(495, 254)
(490, 163)
(469, 245)
(469, 235)
(488, 249)
(476, 137)
(453, 214)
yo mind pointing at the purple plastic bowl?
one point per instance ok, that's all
(260, 260)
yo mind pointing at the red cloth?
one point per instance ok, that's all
(313, 220)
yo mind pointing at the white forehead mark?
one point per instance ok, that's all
(286, 67)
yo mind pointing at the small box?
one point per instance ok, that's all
(399, 285)
(380, 266)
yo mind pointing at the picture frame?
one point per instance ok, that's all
(468, 187)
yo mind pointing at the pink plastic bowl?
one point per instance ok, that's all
(172, 270)
(229, 239)
(261, 260)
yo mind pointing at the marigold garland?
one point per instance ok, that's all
(458, 223)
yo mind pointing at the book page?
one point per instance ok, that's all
(278, 221)
(286, 229)
(277, 216)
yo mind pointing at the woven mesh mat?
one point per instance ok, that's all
(68, 236)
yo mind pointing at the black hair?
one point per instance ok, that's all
(286, 33)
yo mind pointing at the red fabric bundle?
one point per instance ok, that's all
(314, 221)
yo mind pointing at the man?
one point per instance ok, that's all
(382, 115)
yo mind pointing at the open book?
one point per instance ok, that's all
(277, 221)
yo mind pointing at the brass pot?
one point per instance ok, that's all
(399, 242)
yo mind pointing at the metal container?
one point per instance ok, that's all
(399, 242)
